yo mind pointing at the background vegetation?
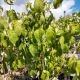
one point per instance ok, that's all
(37, 45)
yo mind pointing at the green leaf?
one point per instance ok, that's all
(65, 48)
(58, 69)
(59, 32)
(20, 64)
(51, 66)
(33, 50)
(32, 72)
(72, 40)
(13, 37)
(19, 29)
(61, 41)
(12, 15)
(57, 3)
(1, 8)
(78, 44)
(50, 34)
(78, 67)
(3, 41)
(75, 28)
(42, 18)
(45, 75)
(14, 65)
(1, 27)
(54, 51)
(37, 7)
(39, 34)
(3, 24)
(21, 46)
(72, 64)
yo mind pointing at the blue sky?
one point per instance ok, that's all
(77, 5)
(69, 6)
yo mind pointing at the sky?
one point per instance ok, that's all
(69, 6)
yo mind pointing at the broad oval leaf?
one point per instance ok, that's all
(39, 5)
(18, 28)
(39, 34)
(13, 37)
(45, 75)
(33, 50)
(50, 33)
(56, 3)
(42, 18)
